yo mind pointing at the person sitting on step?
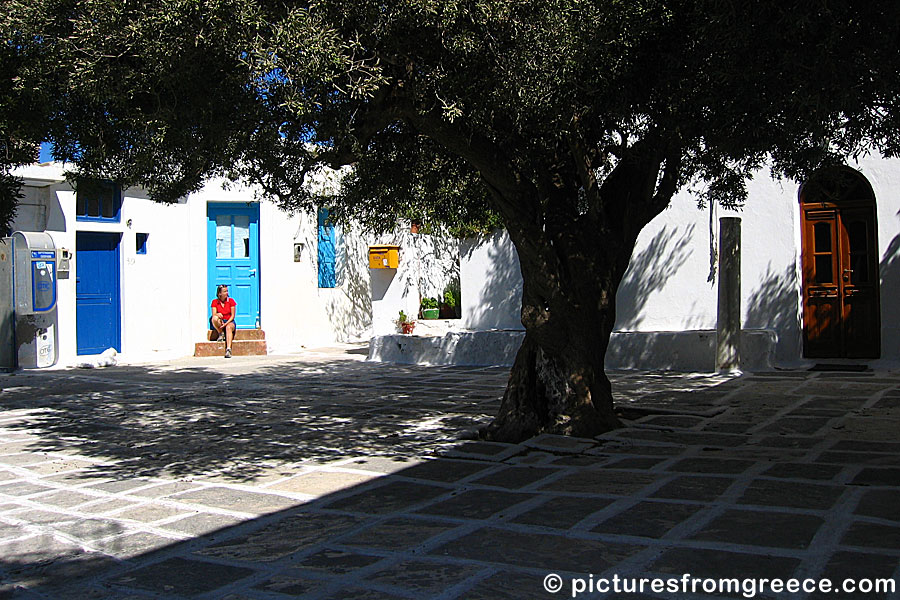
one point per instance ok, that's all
(222, 319)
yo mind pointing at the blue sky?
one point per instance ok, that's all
(46, 149)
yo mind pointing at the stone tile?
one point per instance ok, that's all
(507, 585)
(476, 504)
(183, 577)
(24, 459)
(37, 549)
(696, 488)
(282, 538)
(23, 488)
(489, 451)
(10, 532)
(166, 489)
(61, 576)
(399, 533)
(756, 528)
(541, 551)
(791, 425)
(121, 485)
(444, 470)
(560, 443)
(66, 499)
(383, 464)
(514, 478)
(563, 512)
(92, 529)
(45, 517)
(687, 438)
(357, 593)
(105, 506)
(616, 447)
(7, 475)
(700, 562)
(767, 492)
(856, 566)
(60, 466)
(648, 519)
(320, 483)
(136, 544)
(786, 441)
(237, 500)
(385, 499)
(871, 535)
(337, 562)
(724, 466)
(636, 463)
(292, 583)
(860, 458)
(876, 476)
(148, 513)
(623, 483)
(679, 421)
(424, 578)
(803, 471)
(201, 524)
(882, 504)
(867, 446)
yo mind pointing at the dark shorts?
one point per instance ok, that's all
(211, 328)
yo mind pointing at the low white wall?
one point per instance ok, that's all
(427, 265)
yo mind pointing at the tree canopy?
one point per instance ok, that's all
(570, 122)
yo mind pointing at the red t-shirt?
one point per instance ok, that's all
(223, 309)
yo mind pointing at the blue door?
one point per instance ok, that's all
(97, 301)
(233, 257)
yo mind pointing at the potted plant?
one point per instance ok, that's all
(430, 308)
(450, 302)
(405, 324)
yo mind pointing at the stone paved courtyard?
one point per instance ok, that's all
(323, 476)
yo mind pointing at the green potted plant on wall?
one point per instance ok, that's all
(430, 308)
(405, 324)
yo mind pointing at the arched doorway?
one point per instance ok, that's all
(841, 313)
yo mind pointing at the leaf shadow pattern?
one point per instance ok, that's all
(194, 422)
(649, 271)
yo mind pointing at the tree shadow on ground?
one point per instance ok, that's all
(350, 538)
(176, 423)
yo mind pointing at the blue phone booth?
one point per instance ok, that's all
(34, 289)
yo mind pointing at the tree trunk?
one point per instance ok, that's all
(558, 383)
(572, 264)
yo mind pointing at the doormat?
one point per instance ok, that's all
(827, 367)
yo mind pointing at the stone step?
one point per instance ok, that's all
(238, 348)
(242, 334)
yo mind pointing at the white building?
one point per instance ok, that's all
(813, 277)
(819, 271)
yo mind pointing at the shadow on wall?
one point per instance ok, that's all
(350, 313)
(497, 303)
(890, 289)
(775, 305)
(648, 271)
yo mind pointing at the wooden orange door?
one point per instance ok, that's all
(841, 314)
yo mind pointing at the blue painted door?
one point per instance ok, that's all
(233, 257)
(97, 301)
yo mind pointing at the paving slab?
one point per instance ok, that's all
(322, 476)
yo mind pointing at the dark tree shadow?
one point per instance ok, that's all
(649, 270)
(774, 304)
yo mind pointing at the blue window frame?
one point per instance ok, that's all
(326, 251)
(97, 200)
(140, 243)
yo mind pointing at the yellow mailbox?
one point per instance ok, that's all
(384, 257)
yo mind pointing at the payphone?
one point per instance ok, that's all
(34, 274)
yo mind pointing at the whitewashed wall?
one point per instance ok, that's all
(667, 289)
(427, 264)
(164, 293)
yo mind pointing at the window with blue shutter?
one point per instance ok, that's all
(97, 200)
(326, 251)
